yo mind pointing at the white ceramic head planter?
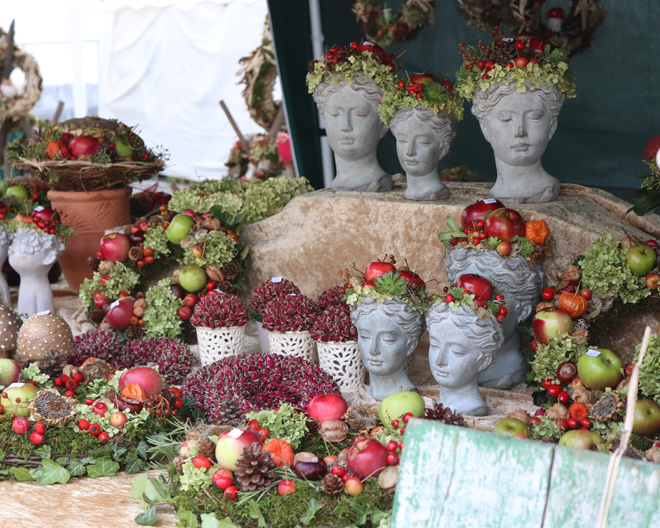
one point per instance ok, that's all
(519, 126)
(353, 126)
(388, 333)
(6, 236)
(423, 138)
(521, 287)
(32, 253)
(462, 345)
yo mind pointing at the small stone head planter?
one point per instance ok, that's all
(32, 253)
(517, 103)
(421, 116)
(388, 314)
(348, 85)
(6, 236)
(464, 342)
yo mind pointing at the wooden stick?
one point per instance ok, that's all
(58, 112)
(615, 458)
(9, 54)
(245, 144)
(277, 123)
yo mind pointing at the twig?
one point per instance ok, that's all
(9, 53)
(615, 458)
(245, 145)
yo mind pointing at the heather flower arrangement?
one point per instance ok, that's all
(266, 292)
(334, 324)
(530, 63)
(220, 310)
(256, 383)
(289, 313)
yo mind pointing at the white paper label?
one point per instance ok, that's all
(489, 200)
(292, 294)
(39, 208)
(276, 279)
(593, 353)
(219, 291)
(15, 385)
(235, 433)
(45, 312)
(116, 303)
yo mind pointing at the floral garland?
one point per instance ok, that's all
(574, 30)
(530, 63)
(385, 26)
(344, 63)
(425, 91)
(456, 296)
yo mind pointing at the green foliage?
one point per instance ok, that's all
(548, 357)
(285, 424)
(605, 272)
(122, 279)
(391, 283)
(156, 239)
(649, 380)
(190, 199)
(219, 248)
(32, 373)
(435, 98)
(194, 479)
(264, 199)
(160, 317)
(365, 64)
(547, 429)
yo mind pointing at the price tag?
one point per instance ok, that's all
(276, 279)
(593, 353)
(116, 303)
(235, 433)
(16, 385)
(45, 312)
(39, 208)
(490, 200)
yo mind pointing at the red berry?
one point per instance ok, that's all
(403, 430)
(628, 370)
(89, 401)
(392, 446)
(37, 438)
(254, 425)
(190, 300)
(503, 311)
(585, 423)
(231, 493)
(392, 460)
(554, 390)
(104, 438)
(652, 244)
(548, 294)
(70, 393)
(534, 345)
(78, 377)
(58, 382)
(184, 313)
(572, 423)
(83, 424)
(40, 427)
(178, 403)
(546, 383)
(201, 462)
(263, 433)
(520, 44)
(72, 384)
(586, 294)
(395, 424)
(563, 397)
(449, 298)
(176, 390)
(94, 429)
(210, 285)
(339, 470)
(406, 418)
(20, 425)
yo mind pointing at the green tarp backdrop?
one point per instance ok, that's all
(601, 134)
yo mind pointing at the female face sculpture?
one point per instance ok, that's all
(462, 345)
(354, 129)
(388, 332)
(518, 126)
(422, 140)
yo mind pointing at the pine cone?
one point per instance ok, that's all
(53, 363)
(313, 426)
(178, 463)
(207, 449)
(362, 418)
(230, 270)
(225, 286)
(255, 468)
(135, 253)
(609, 407)
(229, 413)
(332, 485)
(134, 332)
(445, 415)
(93, 262)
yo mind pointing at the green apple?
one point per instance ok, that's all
(10, 371)
(512, 427)
(123, 148)
(192, 278)
(396, 405)
(600, 368)
(178, 228)
(17, 191)
(550, 323)
(647, 418)
(16, 397)
(641, 259)
(581, 439)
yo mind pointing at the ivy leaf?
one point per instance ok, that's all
(139, 486)
(312, 508)
(21, 474)
(2, 455)
(53, 473)
(147, 518)
(134, 464)
(117, 451)
(141, 450)
(76, 468)
(209, 520)
(103, 467)
(43, 451)
(99, 452)
(188, 518)
(255, 513)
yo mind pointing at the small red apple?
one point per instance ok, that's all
(550, 323)
(327, 407)
(367, 458)
(120, 313)
(286, 486)
(653, 281)
(476, 284)
(353, 486)
(114, 247)
(412, 278)
(521, 62)
(222, 478)
(504, 224)
(230, 446)
(146, 377)
(20, 425)
(376, 269)
(477, 211)
(83, 145)
(118, 419)
(100, 408)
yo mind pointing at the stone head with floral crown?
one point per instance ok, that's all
(348, 84)
(421, 114)
(387, 309)
(517, 87)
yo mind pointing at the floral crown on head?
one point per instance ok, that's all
(529, 62)
(425, 91)
(343, 63)
(383, 282)
(478, 293)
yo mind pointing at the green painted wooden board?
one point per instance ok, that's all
(458, 477)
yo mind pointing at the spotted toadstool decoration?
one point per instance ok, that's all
(10, 324)
(42, 334)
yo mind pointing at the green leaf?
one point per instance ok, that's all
(157, 491)
(53, 473)
(134, 464)
(21, 474)
(117, 451)
(43, 451)
(76, 468)
(2, 455)
(227, 523)
(99, 452)
(312, 508)
(209, 520)
(141, 450)
(139, 486)
(147, 518)
(188, 518)
(255, 513)
(104, 467)
(646, 201)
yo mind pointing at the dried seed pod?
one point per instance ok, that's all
(388, 478)
(572, 273)
(520, 415)
(334, 430)
(214, 274)
(139, 307)
(583, 395)
(558, 412)
(106, 266)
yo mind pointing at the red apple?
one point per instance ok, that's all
(146, 377)
(477, 211)
(476, 284)
(379, 52)
(327, 407)
(504, 224)
(376, 269)
(100, 408)
(47, 216)
(551, 322)
(367, 458)
(20, 425)
(512, 427)
(353, 486)
(118, 419)
(423, 78)
(114, 247)
(230, 446)
(647, 418)
(286, 486)
(581, 439)
(412, 278)
(653, 281)
(81, 145)
(10, 371)
(600, 368)
(120, 313)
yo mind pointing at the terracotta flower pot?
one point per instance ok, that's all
(90, 214)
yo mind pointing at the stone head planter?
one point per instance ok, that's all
(462, 346)
(32, 253)
(354, 128)
(521, 286)
(423, 138)
(519, 126)
(6, 236)
(388, 333)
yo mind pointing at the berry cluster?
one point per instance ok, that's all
(477, 292)
(164, 405)
(21, 426)
(94, 429)
(223, 478)
(69, 383)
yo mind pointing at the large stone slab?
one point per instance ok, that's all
(319, 233)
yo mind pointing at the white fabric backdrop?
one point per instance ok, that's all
(166, 65)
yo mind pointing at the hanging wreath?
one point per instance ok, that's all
(15, 105)
(573, 30)
(386, 26)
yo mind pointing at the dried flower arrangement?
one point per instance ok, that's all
(265, 292)
(289, 313)
(220, 310)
